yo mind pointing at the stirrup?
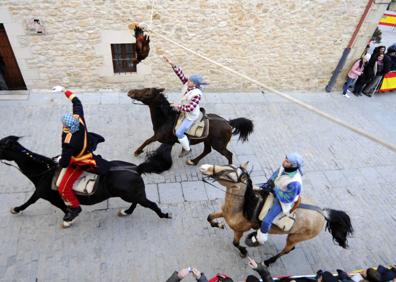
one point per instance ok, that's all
(251, 240)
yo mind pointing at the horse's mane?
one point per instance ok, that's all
(37, 158)
(164, 105)
(250, 200)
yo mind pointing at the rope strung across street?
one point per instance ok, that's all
(331, 118)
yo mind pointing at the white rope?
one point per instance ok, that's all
(390, 146)
(152, 10)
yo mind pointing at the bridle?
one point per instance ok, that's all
(147, 100)
(225, 176)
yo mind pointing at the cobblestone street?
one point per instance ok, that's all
(343, 170)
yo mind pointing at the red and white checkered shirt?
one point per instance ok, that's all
(194, 102)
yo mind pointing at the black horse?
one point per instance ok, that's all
(163, 118)
(123, 179)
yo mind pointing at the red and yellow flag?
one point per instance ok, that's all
(389, 82)
(388, 19)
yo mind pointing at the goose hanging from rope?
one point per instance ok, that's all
(142, 42)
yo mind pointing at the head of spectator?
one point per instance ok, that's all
(325, 277)
(380, 57)
(381, 49)
(252, 278)
(221, 278)
(373, 275)
(328, 277)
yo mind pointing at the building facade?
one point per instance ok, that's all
(288, 44)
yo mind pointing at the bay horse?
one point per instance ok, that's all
(241, 200)
(163, 118)
(123, 179)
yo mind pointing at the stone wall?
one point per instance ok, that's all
(288, 44)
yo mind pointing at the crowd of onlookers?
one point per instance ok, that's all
(380, 274)
(368, 71)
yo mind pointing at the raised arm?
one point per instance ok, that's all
(77, 106)
(178, 71)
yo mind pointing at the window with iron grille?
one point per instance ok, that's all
(124, 57)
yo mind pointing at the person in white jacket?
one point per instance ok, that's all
(286, 184)
(189, 104)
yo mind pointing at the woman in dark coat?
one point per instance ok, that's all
(373, 68)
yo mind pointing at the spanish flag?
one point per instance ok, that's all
(388, 19)
(389, 82)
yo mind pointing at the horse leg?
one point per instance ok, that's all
(214, 215)
(31, 200)
(153, 206)
(227, 154)
(291, 242)
(222, 149)
(145, 143)
(207, 150)
(57, 202)
(129, 211)
(237, 238)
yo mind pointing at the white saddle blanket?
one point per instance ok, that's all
(199, 129)
(85, 184)
(284, 221)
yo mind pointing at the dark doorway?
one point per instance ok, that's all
(10, 69)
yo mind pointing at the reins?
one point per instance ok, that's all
(204, 179)
(35, 175)
(49, 167)
(215, 176)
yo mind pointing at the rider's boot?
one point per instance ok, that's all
(261, 237)
(186, 147)
(71, 214)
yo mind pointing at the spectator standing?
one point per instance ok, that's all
(354, 73)
(380, 67)
(379, 64)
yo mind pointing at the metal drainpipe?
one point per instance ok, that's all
(347, 50)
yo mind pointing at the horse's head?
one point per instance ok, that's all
(8, 146)
(145, 95)
(227, 174)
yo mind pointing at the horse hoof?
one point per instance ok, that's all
(221, 226)
(168, 215)
(13, 211)
(137, 153)
(190, 162)
(243, 255)
(122, 213)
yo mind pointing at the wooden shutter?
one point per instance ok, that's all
(13, 75)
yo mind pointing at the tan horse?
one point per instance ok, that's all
(241, 200)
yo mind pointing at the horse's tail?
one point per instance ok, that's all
(243, 127)
(339, 225)
(157, 161)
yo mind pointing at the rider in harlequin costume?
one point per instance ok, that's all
(77, 148)
(189, 104)
(286, 184)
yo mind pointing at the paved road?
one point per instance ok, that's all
(343, 171)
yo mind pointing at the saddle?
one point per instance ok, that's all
(283, 221)
(199, 129)
(85, 185)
